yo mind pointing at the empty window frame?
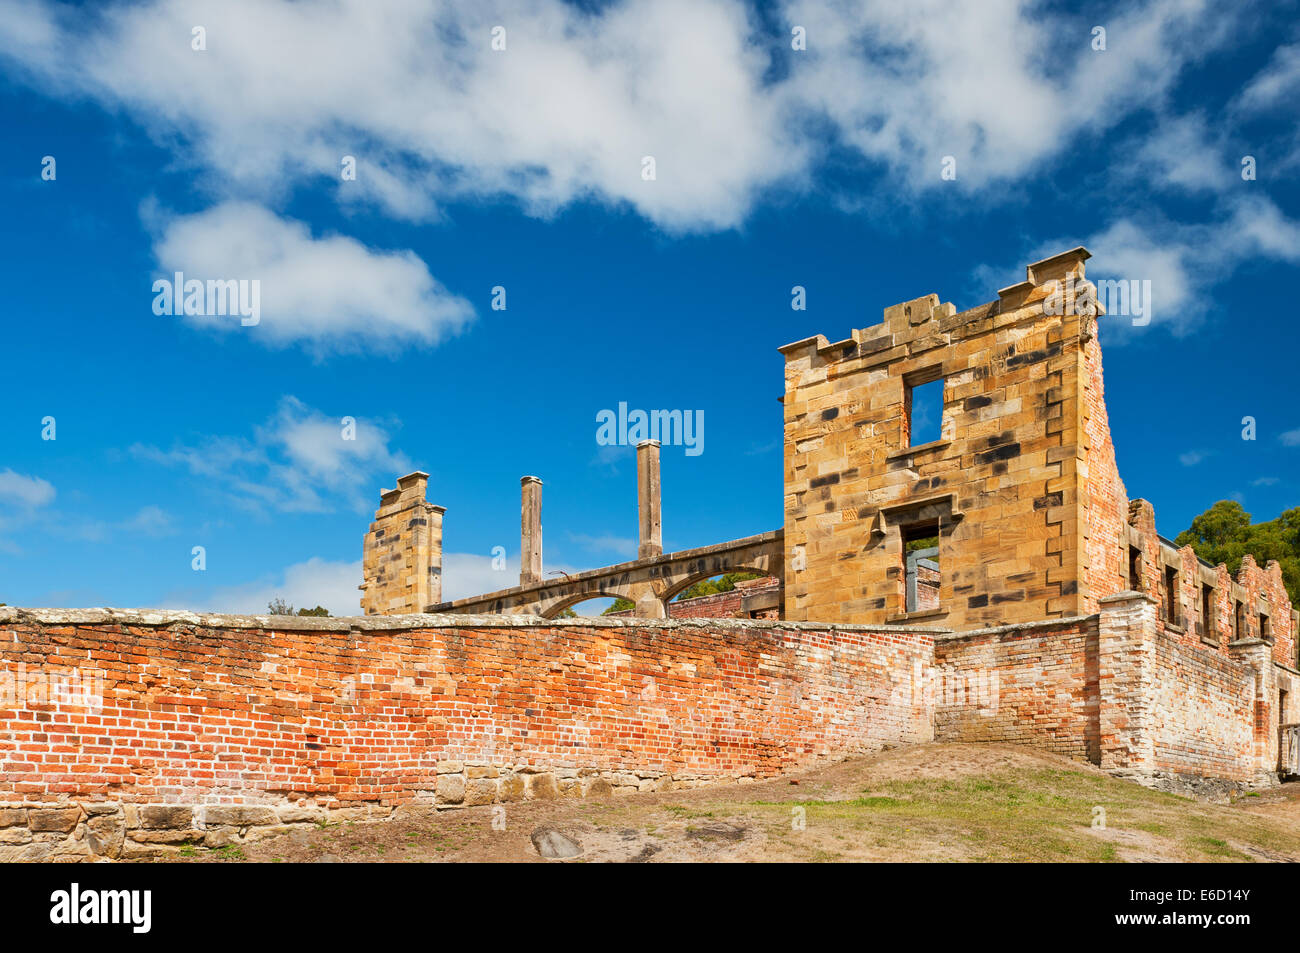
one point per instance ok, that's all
(1135, 569)
(1171, 596)
(922, 574)
(1207, 612)
(923, 407)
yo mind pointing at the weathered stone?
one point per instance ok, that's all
(62, 820)
(555, 845)
(104, 834)
(165, 817)
(239, 815)
(451, 767)
(480, 791)
(301, 815)
(512, 788)
(480, 771)
(95, 808)
(221, 837)
(12, 816)
(164, 837)
(597, 787)
(542, 787)
(450, 789)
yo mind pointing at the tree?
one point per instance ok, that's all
(724, 583)
(278, 606)
(1225, 534)
(318, 611)
(620, 605)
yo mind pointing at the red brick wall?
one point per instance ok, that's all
(1103, 497)
(719, 605)
(1174, 706)
(1032, 684)
(1206, 703)
(381, 710)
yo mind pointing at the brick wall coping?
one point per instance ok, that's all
(1128, 595)
(950, 636)
(167, 617)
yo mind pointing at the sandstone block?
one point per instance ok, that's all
(542, 787)
(450, 789)
(62, 820)
(481, 791)
(238, 815)
(165, 817)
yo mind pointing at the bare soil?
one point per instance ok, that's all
(919, 803)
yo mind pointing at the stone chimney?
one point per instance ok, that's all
(648, 502)
(402, 556)
(530, 531)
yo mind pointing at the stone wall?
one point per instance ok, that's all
(1002, 486)
(1172, 710)
(280, 719)
(402, 556)
(1120, 690)
(1034, 684)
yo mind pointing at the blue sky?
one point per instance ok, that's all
(522, 168)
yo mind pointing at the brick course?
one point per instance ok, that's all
(440, 710)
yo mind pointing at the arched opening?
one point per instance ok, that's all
(585, 605)
(746, 592)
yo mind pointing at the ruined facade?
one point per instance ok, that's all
(995, 584)
(1015, 516)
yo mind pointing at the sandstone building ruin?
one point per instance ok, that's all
(1033, 526)
(995, 584)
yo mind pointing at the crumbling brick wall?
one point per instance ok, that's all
(337, 713)
(750, 599)
(1034, 684)
(1174, 709)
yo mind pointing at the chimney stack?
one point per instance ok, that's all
(648, 502)
(402, 554)
(530, 520)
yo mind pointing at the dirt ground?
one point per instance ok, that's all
(922, 803)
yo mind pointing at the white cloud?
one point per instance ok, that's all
(431, 112)
(1192, 457)
(333, 584)
(1276, 84)
(1182, 152)
(332, 293)
(1183, 261)
(24, 491)
(300, 460)
(999, 85)
(1265, 481)
(1290, 438)
(304, 585)
(150, 521)
(416, 93)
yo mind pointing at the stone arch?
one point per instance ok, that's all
(681, 585)
(553, 607)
